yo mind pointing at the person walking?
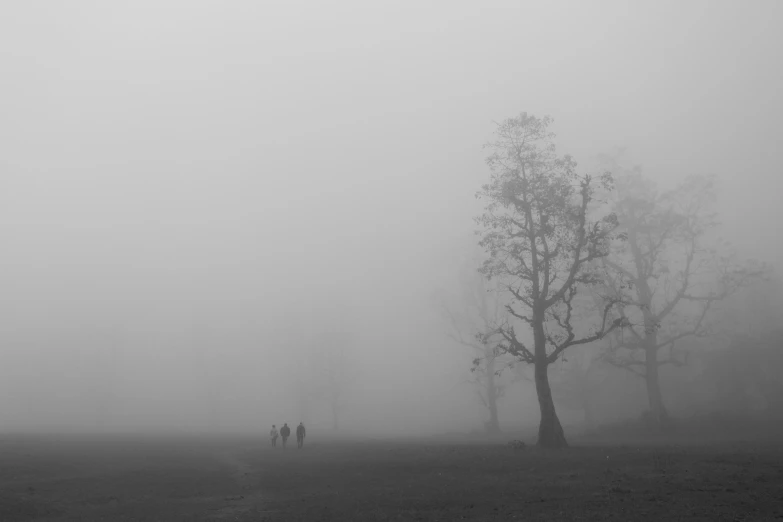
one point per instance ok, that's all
(273, 435)
(285, 432)
(300, 435)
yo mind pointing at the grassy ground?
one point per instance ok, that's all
(188, 479)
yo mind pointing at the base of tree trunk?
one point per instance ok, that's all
(551, 436)
(550, 431)
(491, 428)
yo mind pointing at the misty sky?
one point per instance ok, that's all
(301, 166)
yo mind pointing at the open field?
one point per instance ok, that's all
(168, 479)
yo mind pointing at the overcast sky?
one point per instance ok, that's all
(315, 163)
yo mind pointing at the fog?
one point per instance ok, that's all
(194, 195)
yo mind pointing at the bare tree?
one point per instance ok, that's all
(541, 241)
(752, 360)
(666, 274)
(476, 329)
(332, 370)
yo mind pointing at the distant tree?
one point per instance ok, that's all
(748, 370)
(475, 326)
(331, 370)
(667, 273)
(751, 363)
(575, 381)
(542, 241)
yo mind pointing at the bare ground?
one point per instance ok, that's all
(166, 479)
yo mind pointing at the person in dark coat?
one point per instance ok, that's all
(285, 432)
(300, 435)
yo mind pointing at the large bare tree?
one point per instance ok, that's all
(541, 239)
(667, 274)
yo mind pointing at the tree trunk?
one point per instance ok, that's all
(550, 431)
(658, 415)
(493, 426)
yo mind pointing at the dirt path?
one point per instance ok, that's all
(248, 502)
(61, 479)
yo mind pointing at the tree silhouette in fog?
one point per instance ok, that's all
(667, 273)
(542, 241)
